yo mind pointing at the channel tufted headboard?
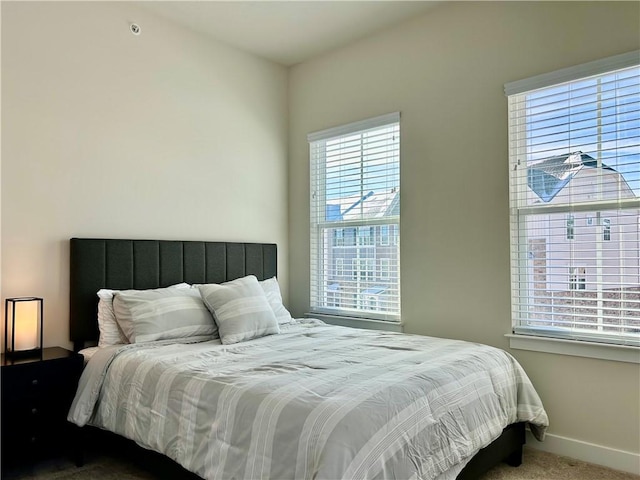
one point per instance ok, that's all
(141, 264)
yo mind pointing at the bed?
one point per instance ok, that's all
(314, 401)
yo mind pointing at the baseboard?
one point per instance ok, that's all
(587, 452)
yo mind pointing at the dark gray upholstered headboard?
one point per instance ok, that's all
(141, 264)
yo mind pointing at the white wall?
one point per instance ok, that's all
(168, 135)
(445, 72)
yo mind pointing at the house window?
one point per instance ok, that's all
(349, 237)
(384, 235)
(333, 299)
(369, 302)
(339, 267)
(366, 236)
(570, 227)
(355, 193)
(363, 269)
(372, 302)
(385, 268)
(574, 161)
(577, 278)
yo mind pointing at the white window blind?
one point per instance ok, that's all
(355, 210)
(574, 161)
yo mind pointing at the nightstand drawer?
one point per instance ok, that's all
(38, 379)
(36, 397)
(27, 444)
(34, 411)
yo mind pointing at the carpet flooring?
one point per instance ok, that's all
(537, 465)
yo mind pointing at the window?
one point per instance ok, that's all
(385, 268)
(570, 227)
(355, 189)
(339, 267)
(349, 237)
(355, 269)
(574, 162)
(366, 236)
(606, 230)
(363, 269)
(577, 278)
(333, 298)
(384, 235)
(369, 303)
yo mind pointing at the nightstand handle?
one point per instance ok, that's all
(34, 411)
(34, 382)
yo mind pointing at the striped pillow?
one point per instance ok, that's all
(146, 316)
(110, 332)
(240, 309)
(272, 291)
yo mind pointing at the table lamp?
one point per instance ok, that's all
(23, 321)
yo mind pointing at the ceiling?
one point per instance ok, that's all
(288, 32)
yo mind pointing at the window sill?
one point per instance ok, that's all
(357, 322)
(603, 351)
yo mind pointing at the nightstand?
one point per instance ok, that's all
(36, 396)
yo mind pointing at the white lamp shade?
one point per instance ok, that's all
(23, 324)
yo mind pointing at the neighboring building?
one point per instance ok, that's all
(571, 253)
(364, 259)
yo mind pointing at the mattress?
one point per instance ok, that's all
(315, 401)
(87, 353)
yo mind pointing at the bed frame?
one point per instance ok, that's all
(141, 264)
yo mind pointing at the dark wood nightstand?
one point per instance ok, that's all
(36, 396)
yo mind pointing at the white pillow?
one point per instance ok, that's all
(240, 309)
(165, 314)
(110, 332)
(271, 289)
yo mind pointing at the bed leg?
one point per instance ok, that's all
(515, 458)
(78, 446)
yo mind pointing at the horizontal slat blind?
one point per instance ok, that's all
(574, 153)
(355, 219)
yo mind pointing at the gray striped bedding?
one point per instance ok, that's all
(315, 401)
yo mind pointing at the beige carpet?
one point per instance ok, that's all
(537, 465)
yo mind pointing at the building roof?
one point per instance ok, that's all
(549, 176)
(371, 205)
(376, 290)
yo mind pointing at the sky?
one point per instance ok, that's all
(360, 163)
(594, 115)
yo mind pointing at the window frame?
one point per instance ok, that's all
(366, 236)
(577, 278)
(363, 244)
(544, 341)
(385, 235)
(606, 229)
(339, 268)
(385, 269)
(571, 227)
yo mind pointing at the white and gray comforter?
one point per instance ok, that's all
(315, 401)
